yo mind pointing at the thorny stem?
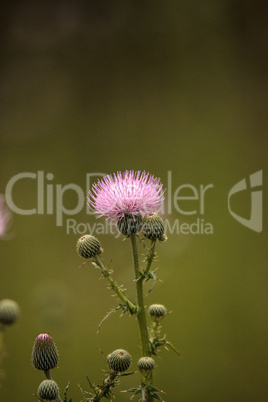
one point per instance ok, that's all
(140, 307)
(156, 341)
(105, 272)
(150, 257)
(146, 348)
(154, 330)
(108, 383)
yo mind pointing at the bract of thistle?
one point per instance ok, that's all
(5, 217)
(132, 192)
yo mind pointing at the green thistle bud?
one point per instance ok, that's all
(130, 224)
(153, 227)
(45, 354)
(146, 364)
(119, 360)
(48, 390)
(88, 246)
(157, 310)
(9, 312)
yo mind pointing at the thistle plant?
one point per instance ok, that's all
(131, 201)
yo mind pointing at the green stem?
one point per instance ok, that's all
(48, 375)
(105, 272)
(140, 303)
(146, 348)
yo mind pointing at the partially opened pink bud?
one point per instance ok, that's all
(44, 354)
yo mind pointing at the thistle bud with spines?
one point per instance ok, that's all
(153, 227)
(88, 246)
(48, 390)
(157, 311)
(146, 364)
(44, 354)
(9, 311)
(130, 224)
(119, 360)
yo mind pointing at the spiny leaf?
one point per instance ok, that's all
(83, 394)
(134, 390)
(65, 393)
(172, 347)
(107, 315)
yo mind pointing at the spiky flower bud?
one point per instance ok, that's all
(48, 390)
(146, 363)
(88, 246)
(9, 312)
(153, 227)
(157, 310)
(119, 360)
(130, 224)
(45, 354)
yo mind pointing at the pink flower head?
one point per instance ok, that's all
(5, 216)
(44, 337)
(132, 192)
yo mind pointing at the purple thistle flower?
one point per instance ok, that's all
(5, 217)
(131, 192)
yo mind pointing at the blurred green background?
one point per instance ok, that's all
(102, 86)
